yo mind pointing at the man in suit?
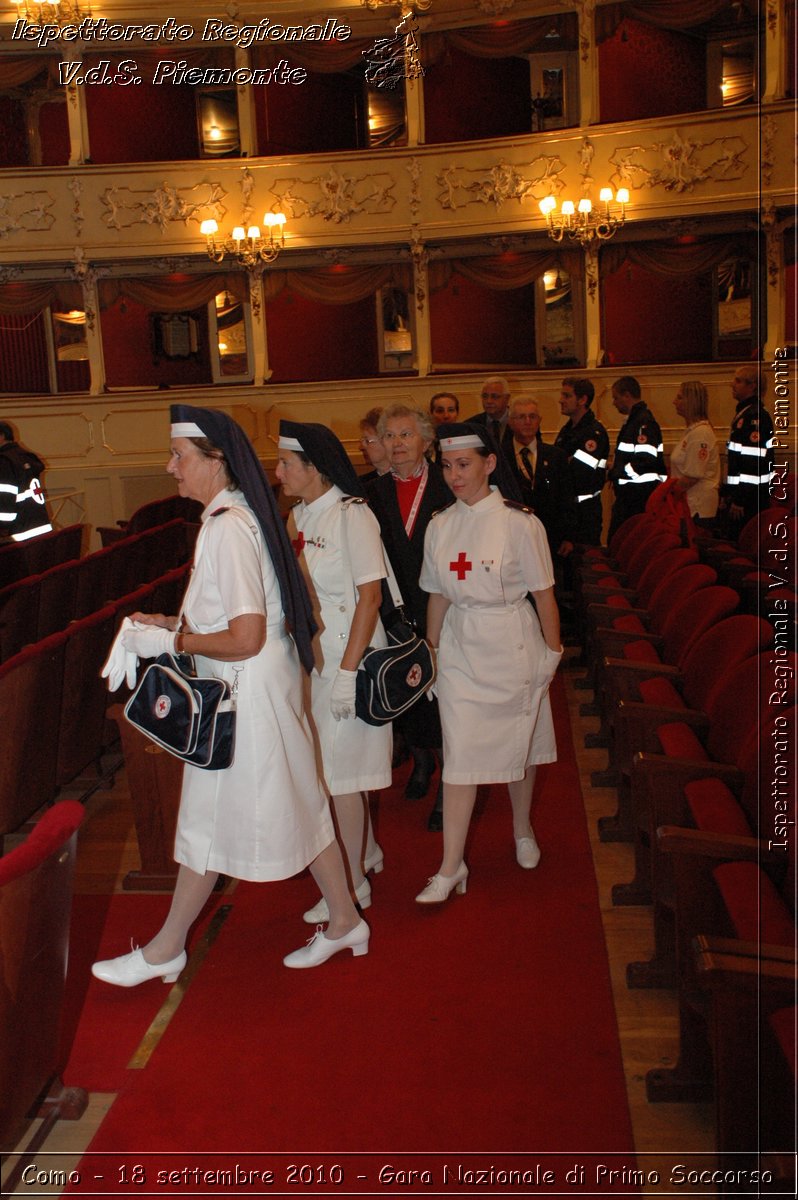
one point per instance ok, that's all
(542, 473)
(403, 502)
(495, 396)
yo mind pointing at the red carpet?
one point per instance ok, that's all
(485, 1025)
(103, 1026)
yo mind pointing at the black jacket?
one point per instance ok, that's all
(23, 506)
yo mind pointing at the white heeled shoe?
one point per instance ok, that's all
(320, 947)
(320, 912)
(129, 970)
(374, 861)
(439, 887)
(527, 852)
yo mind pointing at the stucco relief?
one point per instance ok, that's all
(335, 196)
(126, 207)
(26, 212)
(498, 184)
(679, 164)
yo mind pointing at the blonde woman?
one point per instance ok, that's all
(695, 462)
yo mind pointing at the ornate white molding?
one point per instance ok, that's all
(679, 164)
(76, 188)
(767, 157)
(336, 196)
(586, 11)
(26, 212)
(496, 185)
(126, 207)
(414, 199)
(420, 256)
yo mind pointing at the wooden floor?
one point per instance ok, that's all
(664, 1133)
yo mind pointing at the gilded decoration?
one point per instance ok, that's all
(336, 196)
(420, 257)
(678, 164)
(414, 199)
(26, 212)
(767, 156)
(76, 188)
(495, 185)
(126, 207)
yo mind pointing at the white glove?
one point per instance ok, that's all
(550, 663)
(342, 700)
(148, 641)
(121, 664)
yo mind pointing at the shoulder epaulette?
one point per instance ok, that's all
(520, 507)
(353, 500)
(442, 510)
(217, 512)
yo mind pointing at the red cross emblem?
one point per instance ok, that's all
(298, 543)
(461, 565)
(37, 491)
(414, 676)
(162, 706)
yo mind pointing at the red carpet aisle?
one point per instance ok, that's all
(103, 1026)
(485, 1025)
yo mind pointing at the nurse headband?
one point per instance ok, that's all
(187, 429)
(290, 443)
(463, 441)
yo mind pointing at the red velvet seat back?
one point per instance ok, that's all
(35, 902)
(30, 712)
(82, 726)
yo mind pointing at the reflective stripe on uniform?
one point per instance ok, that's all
(29, 533)
(9, 487)
(8, 516)
(646, 477)
(589, 496)
(589, 460)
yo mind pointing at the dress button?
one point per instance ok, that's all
(342, 608)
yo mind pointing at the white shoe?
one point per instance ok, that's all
(374, 862)
(320, 912)
(527, 852)
(439, 887)
(129, 970)
(320, 947)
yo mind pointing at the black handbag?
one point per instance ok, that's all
(191, 718)
(392, 678)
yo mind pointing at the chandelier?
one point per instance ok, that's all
(249, 246)
(582, 222)
(51, 12)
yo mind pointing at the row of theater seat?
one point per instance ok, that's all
(40, 605)
(697, 700)
(148, 516)
(19, 559)
(53, 702)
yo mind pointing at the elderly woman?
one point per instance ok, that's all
(266, 816)
(403, 502)
(497, 654)
(695, 462)
(371, 444)
(337, 540)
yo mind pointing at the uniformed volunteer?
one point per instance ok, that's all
(695, 462)
(586, 442)
(497, 656)
(749, 452)
(23, 505)
(337, 541)
(638, 466)
(266, 816)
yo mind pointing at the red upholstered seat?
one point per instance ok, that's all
(679, 741)
(641, 652)
(714, 807)
(783, 1025)
(660, 692)
(35, 903)
(755, 908)
(630, 624)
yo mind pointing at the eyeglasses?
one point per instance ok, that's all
(364, 441)
(404, 436)
(493, 395)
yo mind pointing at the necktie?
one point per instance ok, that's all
(496, 430)
(529, 466)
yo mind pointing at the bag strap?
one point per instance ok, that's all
(391, 604)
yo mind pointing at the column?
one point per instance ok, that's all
(592, 310)
(418, 252)
(245, 100)
(91, 306)
(588, 64)
(258, 313)
(78, 125)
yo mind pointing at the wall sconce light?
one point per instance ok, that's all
(248, 246)
(581, 222)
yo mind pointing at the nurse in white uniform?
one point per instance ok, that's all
(266, 816)
(496, 655)
(338, 544)
(695, 463)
